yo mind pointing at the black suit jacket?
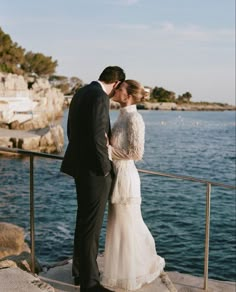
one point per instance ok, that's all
(88, 121)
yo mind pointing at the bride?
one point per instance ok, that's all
(130, 259)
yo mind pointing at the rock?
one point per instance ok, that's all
(29, 143)
(14, 125)
(14, 251)
(11, 240)
(22, 261)
(39, 122)
(48, 140)
(24, 108)
(52, 140)
(160, 105)
(7, 264)
(5, 142)
(12, 83)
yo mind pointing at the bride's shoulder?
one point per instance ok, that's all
(135, 117)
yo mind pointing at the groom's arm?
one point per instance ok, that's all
(100, 122)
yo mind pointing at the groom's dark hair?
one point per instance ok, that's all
(112, 74)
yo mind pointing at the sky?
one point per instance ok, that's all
(180, 45)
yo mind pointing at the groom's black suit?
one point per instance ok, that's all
(88, 121)
(86, 159)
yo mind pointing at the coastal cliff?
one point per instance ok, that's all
(30, 106)
(28, 103)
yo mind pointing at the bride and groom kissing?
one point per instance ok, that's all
(102, 162)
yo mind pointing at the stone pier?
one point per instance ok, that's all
(48, 140)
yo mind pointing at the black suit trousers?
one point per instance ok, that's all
(92, 196)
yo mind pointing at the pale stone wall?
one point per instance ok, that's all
(47, 140)
(49, 101)
(12, 84)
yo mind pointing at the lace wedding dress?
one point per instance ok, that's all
(130, 259)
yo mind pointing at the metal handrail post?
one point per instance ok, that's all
(207, 235)
(32, 233)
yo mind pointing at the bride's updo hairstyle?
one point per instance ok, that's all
(136, 89)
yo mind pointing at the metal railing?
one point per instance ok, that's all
(209, 184)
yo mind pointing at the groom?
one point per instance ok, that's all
(86, 159)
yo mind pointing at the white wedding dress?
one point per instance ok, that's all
(130, 258)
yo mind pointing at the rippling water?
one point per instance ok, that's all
(199, 144)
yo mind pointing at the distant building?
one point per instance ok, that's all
(148, 90)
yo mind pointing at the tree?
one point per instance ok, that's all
(185, 97)
(60, 82)
(11, 55)
(161, 95)
(67, 85)
(13, 59)
(75, 84)
(37, 63)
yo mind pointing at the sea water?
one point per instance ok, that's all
(197, 144)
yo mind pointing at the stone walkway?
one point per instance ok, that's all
(189, 283)
(61, 279)
(17, 280)
(49, 139)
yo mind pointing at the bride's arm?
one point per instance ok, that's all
(135, 136)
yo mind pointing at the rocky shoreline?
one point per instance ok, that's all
(47, 140)
(171, 106)
(30, 106)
